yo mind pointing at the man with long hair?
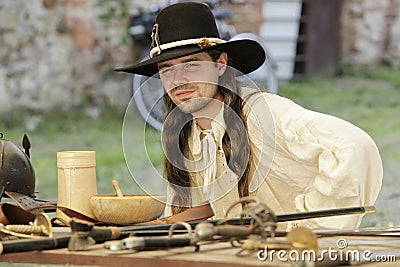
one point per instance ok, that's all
(224, 140)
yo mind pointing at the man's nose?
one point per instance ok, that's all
(180, 77)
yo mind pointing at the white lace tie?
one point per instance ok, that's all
(209, 154)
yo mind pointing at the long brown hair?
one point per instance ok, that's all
(238, 156)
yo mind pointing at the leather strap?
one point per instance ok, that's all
(13, 214)
(23, 209)
(28, 208)
(3, 217)
(30, 204)
(75, 214)
(23, 201)
(198, 213)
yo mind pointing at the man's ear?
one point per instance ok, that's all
(222, 63)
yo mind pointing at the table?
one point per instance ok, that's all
(211, 254)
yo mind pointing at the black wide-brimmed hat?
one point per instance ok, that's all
(188, 28)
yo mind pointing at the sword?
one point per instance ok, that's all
(279, 218)
(207, 229)
(104, 233)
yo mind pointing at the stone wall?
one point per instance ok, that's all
(371, 32)
(247, 16)
(34, 57)
(61, 53)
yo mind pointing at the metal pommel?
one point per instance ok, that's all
(204, 231)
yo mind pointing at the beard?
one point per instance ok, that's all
(195, 104)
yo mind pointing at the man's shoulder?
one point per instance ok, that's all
(262, 98)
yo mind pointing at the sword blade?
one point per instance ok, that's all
(279, 217)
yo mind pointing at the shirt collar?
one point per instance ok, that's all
(218, 127)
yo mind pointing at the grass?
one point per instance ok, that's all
(73, 130)
(367, 97)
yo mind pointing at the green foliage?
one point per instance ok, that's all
(374, 72)
(113, 9)
(75, 130)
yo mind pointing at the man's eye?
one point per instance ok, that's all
(166, 70)
(191, 66)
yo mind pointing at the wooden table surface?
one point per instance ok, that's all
(215, 254)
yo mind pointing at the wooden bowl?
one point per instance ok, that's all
(128, 209)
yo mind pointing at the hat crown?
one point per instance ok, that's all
(188, 28)
(185, 21)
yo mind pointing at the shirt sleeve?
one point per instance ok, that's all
(345, 162)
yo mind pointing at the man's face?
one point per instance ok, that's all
(192, 81)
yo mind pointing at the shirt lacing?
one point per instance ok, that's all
(209, 154)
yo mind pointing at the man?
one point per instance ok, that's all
(223, 141)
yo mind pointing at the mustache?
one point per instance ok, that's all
(184, 87)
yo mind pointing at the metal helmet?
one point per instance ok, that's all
(16, 171)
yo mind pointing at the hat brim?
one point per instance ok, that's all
(246, 55)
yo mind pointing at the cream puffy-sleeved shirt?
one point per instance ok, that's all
(302, 161)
